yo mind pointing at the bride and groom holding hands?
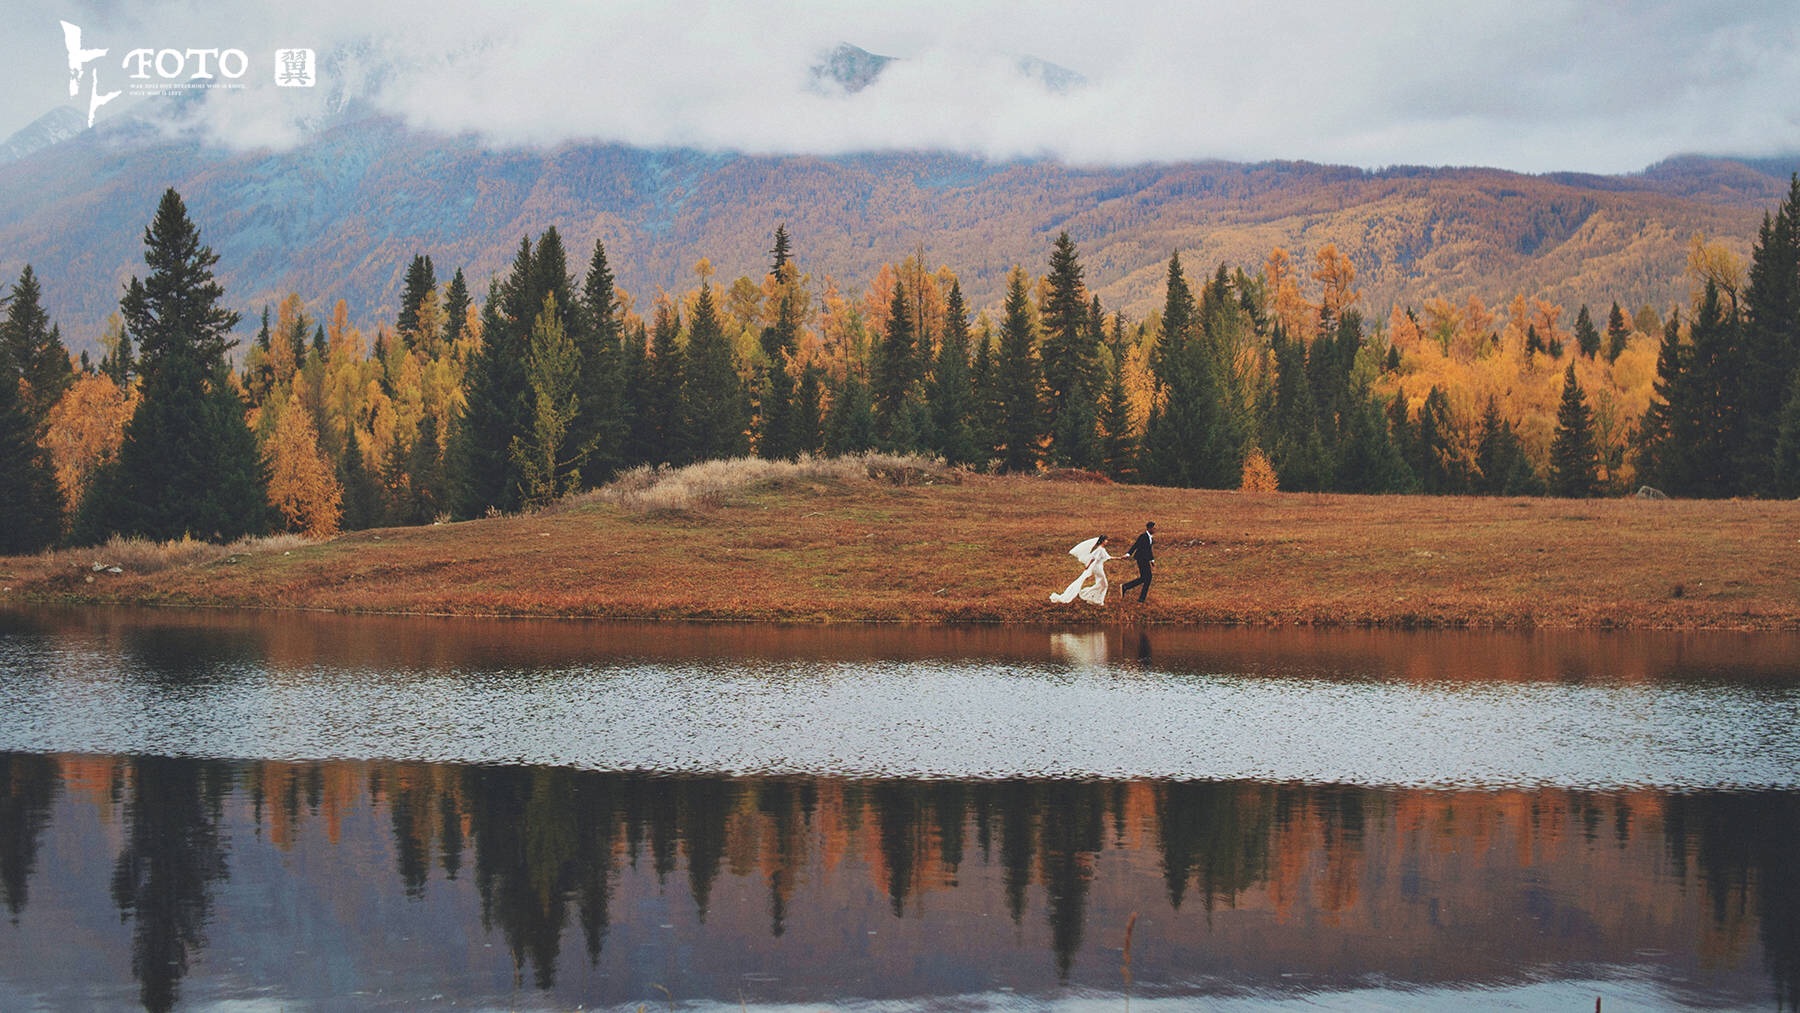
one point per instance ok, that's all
(1093, 553)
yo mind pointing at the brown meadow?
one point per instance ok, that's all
(882, 539)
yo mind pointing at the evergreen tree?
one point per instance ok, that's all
(1618, 333)
(420, 284)
(715, 406)
(599, 430)
(1195, 437)
(1018, 382)
(117, 361)
(1071, 359)
(850, 423)
(361, 490)
(1504, 469)
(809, 413)
(547, 460)
(1771, 340)
(1661, 452)
(189, 464)
(456, 309)
(35, 347)
(634, 379)
(1118, 440)
(778, 437)
(781, 254)
(952, 392)
(1694, 428)
(1787, 445)
(894, 378)
(984, 420)
(1369, 460)
(1587, 336)
(662, 390)
(30, 500)
(1439, 462)
(483, 474)
(1574, 459)
(1295, 445)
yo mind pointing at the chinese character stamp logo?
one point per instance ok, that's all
(294, 68)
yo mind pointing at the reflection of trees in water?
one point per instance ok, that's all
(163, 878)
(1743, 848)
(545, 847)
(28, 788)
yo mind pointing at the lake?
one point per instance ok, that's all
(245, 811)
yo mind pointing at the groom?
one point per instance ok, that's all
(1144, 552)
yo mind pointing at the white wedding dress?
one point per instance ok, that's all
(1095, 556)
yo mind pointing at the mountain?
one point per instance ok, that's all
(59, 124)
(848, 69)
(342, 215)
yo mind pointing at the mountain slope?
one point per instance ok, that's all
(341, 216)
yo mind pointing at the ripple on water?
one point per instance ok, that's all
(980, 719)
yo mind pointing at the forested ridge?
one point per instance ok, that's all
(341, 215)
(1261, 375)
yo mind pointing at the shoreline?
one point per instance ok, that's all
(966, 549)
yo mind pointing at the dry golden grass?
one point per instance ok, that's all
(875, 539)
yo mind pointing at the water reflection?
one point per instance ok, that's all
(318, 883)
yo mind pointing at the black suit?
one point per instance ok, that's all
(1142, 551)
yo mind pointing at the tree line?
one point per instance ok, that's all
(556, 382)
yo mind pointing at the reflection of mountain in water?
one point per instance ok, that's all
(595, 882)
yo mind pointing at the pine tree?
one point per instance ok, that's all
(1618, 333)
(715, 406)
(894, 377)
(952, 392)
(1071, 358)
(483, 473)
(1771, 342)
(547, 462)
(36, 350)
(421, 281)
(778, 437)
(1693, 432)
(1574, 459)
(1018, 382)
(1297, 449)
(30, 500)
(598, 433)
(1587, 336)
(1661, 452)
(1194, 436)
(456, 309)
(1504, 469)
(809, 411)
(1439, 463)
(850, 422)
(1369, 460)
(189, 464)
(1118, 440)
(662, 389)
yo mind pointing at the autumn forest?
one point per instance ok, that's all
(1262, 377)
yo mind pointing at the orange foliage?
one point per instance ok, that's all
(85, 428)
(302, 485)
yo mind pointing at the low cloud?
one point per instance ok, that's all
(1529, 87)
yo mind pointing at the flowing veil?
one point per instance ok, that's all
(1085, 549)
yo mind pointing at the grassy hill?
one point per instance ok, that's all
(882, 539)
(342, 216)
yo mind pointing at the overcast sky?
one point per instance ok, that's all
(1591, 86)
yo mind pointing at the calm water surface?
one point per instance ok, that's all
(214, 810)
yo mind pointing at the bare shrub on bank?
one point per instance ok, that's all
(141, 555)
(647, 489)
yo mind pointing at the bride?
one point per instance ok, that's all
(1093, 553)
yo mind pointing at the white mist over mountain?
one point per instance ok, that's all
(1525, 86)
